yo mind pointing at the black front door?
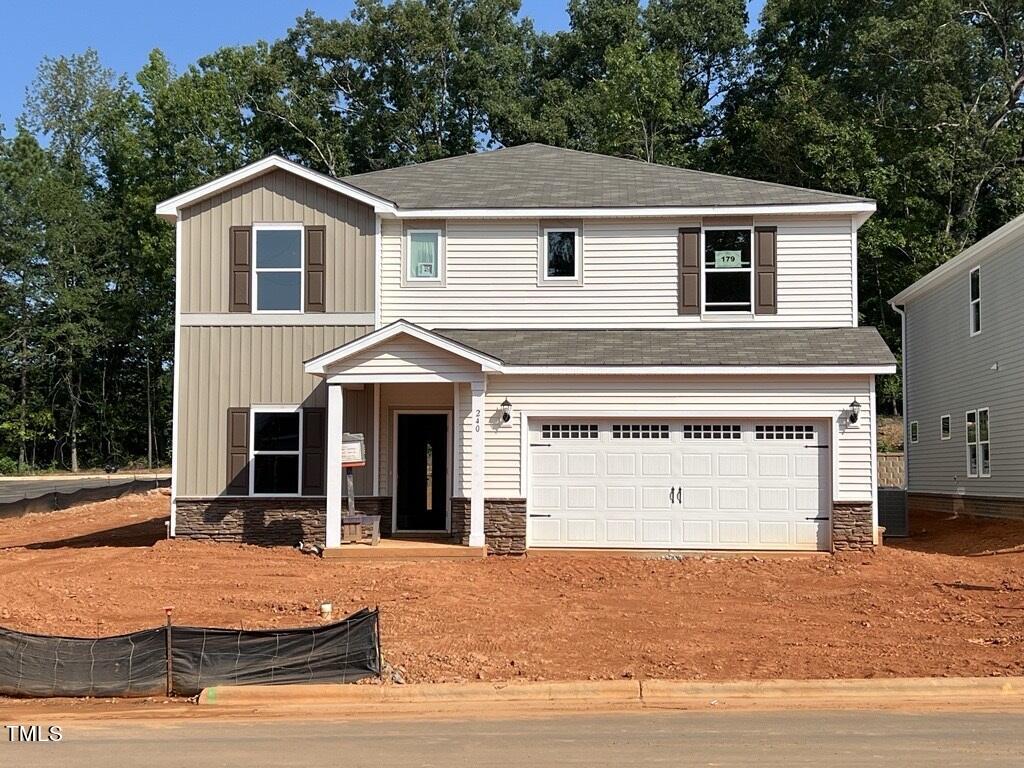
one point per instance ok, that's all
(421, 495)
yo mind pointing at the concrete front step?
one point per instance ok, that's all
(404, 549)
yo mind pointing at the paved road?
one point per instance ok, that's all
(764, 739)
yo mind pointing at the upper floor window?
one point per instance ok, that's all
(913, 431)
(944, 427)
(975, 300)
(277, 277)
(561, 254)
(727, 270)
(424, 260)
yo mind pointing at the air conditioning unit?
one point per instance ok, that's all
(424, 270)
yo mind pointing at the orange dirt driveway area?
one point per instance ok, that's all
(947, 601)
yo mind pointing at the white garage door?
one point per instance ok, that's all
(672, 483)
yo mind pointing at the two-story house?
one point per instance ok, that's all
(963, 371)
(541, 347)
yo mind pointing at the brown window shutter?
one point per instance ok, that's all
(316, 264)
(314, 448)
(689, 271)
(240, 279)
(238, 452)
(765, 282)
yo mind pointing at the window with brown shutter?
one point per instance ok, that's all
(314, 447)
(765, 282)
(689, 271)
(238, 452)
(316, 267)
(240, 266)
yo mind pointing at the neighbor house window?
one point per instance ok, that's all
(944, 428)
(727, 271)
(278, 268)
(979, 455)
(560, 252)
(276, 437)
(913, 431)
(975, 300)
(424, 255)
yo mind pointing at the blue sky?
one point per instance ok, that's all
(125, 31)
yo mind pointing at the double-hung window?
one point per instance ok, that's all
(423, 260)
(728, 277)
(913, 431)
(979, 453)
(944, 427)
(277, 277)
(560, 255)
(276, 441)
(975, 301)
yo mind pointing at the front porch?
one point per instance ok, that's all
(404, 548)
(428, 431)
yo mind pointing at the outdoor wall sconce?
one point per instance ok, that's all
(506, 411)
(854, 411)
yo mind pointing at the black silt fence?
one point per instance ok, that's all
(136, 664)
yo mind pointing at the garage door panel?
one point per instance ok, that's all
(668, 483)
(732, 465)
(581, 497)
(698, 532)
(657, 532)
(656, 464)
(621, 531)
(621, 464)
(621, 497)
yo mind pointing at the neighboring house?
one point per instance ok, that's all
(542, 348)
(963, 373)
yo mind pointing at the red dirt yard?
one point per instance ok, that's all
(948, 601)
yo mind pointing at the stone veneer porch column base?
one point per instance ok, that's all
(504, 524)
(852, 526)
(267, 521)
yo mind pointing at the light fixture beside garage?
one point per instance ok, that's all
(854, 411)
(506, 411)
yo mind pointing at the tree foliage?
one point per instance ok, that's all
(914, 103)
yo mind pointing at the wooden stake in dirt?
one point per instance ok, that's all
(170, 662)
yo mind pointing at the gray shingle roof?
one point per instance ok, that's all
(539, 176)
(687, 347)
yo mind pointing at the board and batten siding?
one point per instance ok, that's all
(629, 276)
(819, 398)
(277, 197)
(948, 371)
(240, 366)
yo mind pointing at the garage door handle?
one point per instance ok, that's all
(672, 496)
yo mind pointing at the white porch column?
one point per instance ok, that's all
(335, 428)
(476, 497)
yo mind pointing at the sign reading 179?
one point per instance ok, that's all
(727, 259)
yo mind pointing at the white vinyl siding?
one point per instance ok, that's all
(651, 398)
(629, 277)
(405, 355)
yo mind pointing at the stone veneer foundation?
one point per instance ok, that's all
(266, 521)
(955, 504)
(504, 524)
(852, 526)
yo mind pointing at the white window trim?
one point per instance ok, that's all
(407, 266)
(704, 311)
(542, 274)
(946, 418)
(971, 301)
(301, 269)
(915, 432)
(253, 452)
(987, 443)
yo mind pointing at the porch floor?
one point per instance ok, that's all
(404, 549)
